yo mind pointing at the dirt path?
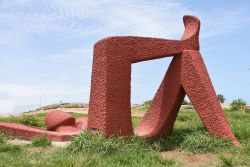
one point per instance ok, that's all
(23, 142)
(191, 160)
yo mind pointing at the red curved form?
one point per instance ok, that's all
(111, 76)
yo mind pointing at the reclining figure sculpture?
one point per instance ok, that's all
(110, 111)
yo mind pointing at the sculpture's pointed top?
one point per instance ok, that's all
(192, 27)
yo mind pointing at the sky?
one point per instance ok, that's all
(46, 46)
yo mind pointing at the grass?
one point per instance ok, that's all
(41, 141)
(2, 138)
(188, 135)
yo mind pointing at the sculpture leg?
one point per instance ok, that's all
(160, 117)
(198, 86)
(109, 109)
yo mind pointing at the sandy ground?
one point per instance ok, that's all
(22, 142)
(191, 160)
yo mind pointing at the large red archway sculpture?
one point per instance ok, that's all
(109, 110)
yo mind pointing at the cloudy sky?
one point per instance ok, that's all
(46, 46)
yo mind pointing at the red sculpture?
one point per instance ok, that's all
(60, 127)
(109, 110)
(111, 76)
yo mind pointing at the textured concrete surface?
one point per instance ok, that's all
(56, 118)
(109, 108)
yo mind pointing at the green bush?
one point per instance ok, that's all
(29, 120)
(41, 141)
(238, 104)
(147, 102)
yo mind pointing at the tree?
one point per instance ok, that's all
(185, 102)
(221, 98)
(239, 104)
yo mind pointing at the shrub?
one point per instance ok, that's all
(221, 98)
(147, 102)
(29, 120)
(238, 104)
(41, 141)
(247, 110)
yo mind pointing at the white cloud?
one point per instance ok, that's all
(36, 90)
(223, 21)
(74, 19)
(6, 106)
(30, 95)
(83, 53)
(22, 20)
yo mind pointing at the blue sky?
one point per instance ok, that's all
(46, 46)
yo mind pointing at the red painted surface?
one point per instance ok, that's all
(28, 132)
(109, 109)
(56, 118)
(81, 123)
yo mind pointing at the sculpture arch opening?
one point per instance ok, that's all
(146, 77)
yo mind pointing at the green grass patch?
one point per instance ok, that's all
(9, 148)
(116, 151)
(188, 134)
(41, 141)
(3, 138)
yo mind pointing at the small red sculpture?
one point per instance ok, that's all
(110, 111)
(61, 126)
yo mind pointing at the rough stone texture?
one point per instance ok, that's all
(56, 118)
(109, 109)
(81, 123)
